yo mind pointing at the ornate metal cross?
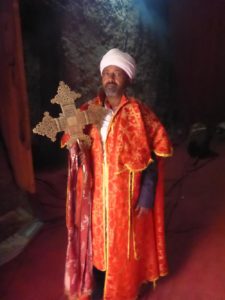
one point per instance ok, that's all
(71, 119)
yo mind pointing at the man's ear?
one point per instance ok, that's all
(129, 81)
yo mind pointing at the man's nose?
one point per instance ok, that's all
(111, 76)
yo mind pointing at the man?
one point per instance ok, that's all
(127, 189)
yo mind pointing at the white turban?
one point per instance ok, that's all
(115, 57)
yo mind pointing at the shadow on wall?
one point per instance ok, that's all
(48, 155)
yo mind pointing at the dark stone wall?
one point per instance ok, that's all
(65, 40)
(198, 45)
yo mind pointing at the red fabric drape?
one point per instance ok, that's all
(14, 112)
(78, 269)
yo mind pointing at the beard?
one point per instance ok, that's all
(111, 89)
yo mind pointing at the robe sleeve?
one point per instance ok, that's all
(158, 139)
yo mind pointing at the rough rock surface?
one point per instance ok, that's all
(65, 40)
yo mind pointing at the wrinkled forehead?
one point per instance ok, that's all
(113, 68)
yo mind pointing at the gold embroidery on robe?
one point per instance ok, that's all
(117, 232)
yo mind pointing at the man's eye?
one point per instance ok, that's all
(105, 74)
(117, 74)
(114, 74)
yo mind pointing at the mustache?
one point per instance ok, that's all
(110, 84)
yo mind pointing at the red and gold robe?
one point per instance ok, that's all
(130, 249)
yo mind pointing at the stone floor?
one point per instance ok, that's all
(195, 230)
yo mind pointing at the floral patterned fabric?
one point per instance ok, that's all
(78, 269)
(130, 249)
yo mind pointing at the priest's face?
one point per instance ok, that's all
(114, 81)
